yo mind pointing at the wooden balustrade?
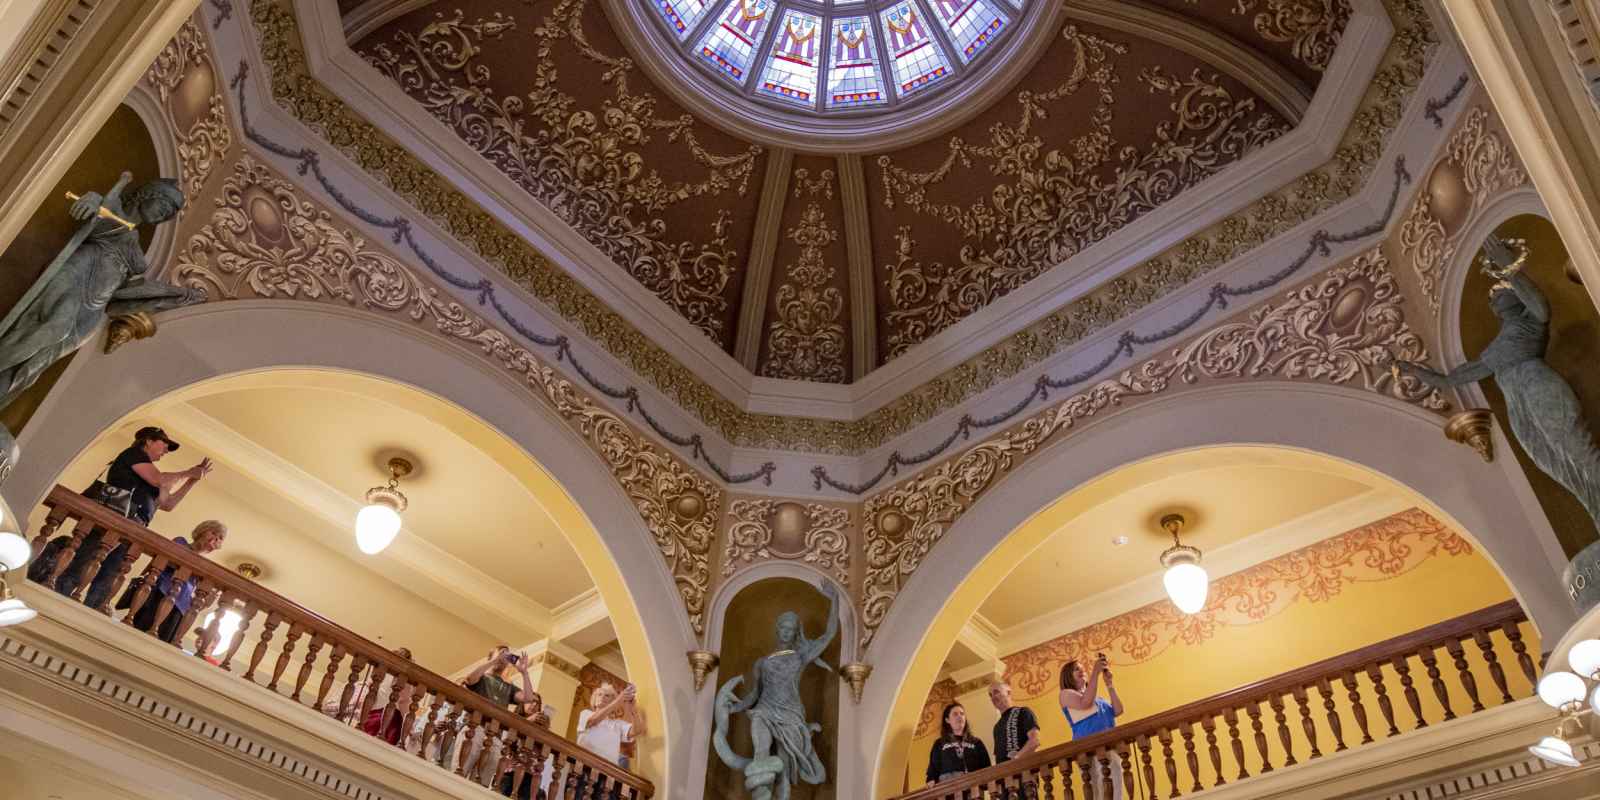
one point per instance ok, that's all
(1283, 704)
(453, 716)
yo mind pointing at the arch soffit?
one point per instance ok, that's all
(201, 343)
(1400, 442)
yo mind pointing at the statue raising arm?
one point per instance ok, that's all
(815, 647)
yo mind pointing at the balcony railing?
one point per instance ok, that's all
(449, 709)
(1161, 754)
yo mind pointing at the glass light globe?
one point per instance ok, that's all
(1555, 751)
(1584, 658)
(1560, 689)
(376, 526)
(14, 552)
(1187, 584)
(15, 612)
(1594, 700)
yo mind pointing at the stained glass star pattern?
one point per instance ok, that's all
(835, 56)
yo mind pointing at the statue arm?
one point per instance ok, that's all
(754, 694)
(1532, 298)
(821, 642)
(1469, 372)
(150, 295)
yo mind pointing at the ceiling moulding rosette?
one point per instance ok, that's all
(1343, 327)
(1402, 65)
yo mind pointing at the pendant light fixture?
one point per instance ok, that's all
(379, 521)
(1186, 581)
(14, 552)
(1565, 692)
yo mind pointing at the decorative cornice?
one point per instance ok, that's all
(559, 664)
(1345, 327)
(298, 93)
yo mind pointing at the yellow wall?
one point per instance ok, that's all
(1304, 632)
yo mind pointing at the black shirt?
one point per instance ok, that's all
(496, 690)
(952, 756)
(1011, 732)
(122, 476)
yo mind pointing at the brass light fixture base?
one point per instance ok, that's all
(1473, 427)
(856, 675)
(1178, 553)
(701, 662)
(128, 328)
(248, 569)
(400, 467)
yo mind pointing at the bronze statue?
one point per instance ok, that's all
(1545, 414)
(100, 274)
(779, 733)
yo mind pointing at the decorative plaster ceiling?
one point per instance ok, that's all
(823, 263)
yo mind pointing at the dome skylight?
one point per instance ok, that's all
(830, 57)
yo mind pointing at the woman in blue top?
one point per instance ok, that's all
(1089, 714)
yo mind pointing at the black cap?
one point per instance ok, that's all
(150, 432)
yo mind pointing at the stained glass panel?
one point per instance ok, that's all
(855, 76)
(791, 72)
(681, 15)
(972, 24)
(730, 44)
(919, 61)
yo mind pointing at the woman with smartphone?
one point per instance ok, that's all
(1089, 714)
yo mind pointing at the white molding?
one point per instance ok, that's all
(981, 637)
(1278, 540)
(466, 591)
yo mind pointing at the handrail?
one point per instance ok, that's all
(1041, 768)
(524, 745)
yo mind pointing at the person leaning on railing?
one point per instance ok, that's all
(1089, 714)
(1016, 733)
(956, 752)
(208, 537)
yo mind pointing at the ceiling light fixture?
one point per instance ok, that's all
(1186, 581)
(12, 610)
(379, 521)
(1565, 692)
(14, 551)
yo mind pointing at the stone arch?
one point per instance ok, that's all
(208, 341)
(1398, 442)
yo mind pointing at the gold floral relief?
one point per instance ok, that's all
(580, 153)
(806, 341)
(265, 241)
(1477, 162)
(1346, 327)
(1054, 202)
(811, 533)
(185, 81)
(1377, 551)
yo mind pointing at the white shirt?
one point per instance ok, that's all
(604, 737)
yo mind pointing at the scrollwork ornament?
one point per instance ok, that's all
(823, 543)
(1346, 327)
(204, 144)
(263, 240)
(806, 341)
(1311, 27)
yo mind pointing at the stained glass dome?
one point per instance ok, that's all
(833, 57)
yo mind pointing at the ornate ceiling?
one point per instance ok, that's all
(822, 265)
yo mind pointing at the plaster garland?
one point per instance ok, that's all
(1346, 327)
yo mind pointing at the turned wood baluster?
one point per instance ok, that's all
(312, 648)
(1302, 699)
(369, 695)
(180, 576)
(329, 674)
(210, 632)
(491, 732)
(1325, 688)
(1187, 732)
(1147, 766)
(1230, 717)
(205, 594)
(1102, 760)
(413, 695)
(108, 541)
(52, 521)
(1496, 672)
(1048, 779)
(260, 651)
(1171, 767)
(1253, 711)
(1375, 674)
(140, 595)
(249, 613)
(1431, 663)
(63, 558)
(434, 703)
(1125, 753)
(283, 657)
(1356, 707)
(1086, 775)
(1409, 689)
(1276, 702)
(1514, 633)
(1209, 724)
(474, 719)
(1469, 683)
(135, 550)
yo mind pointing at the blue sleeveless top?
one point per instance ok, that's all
(1102, 718)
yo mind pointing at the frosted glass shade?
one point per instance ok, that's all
(15, 612)
(1187, 584)
(14, 552)
(1561, 689)
(376, 526)
(1584, 658)
(1555, 751)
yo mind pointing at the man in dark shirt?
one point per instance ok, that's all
(1016, 733)
(488, 681)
